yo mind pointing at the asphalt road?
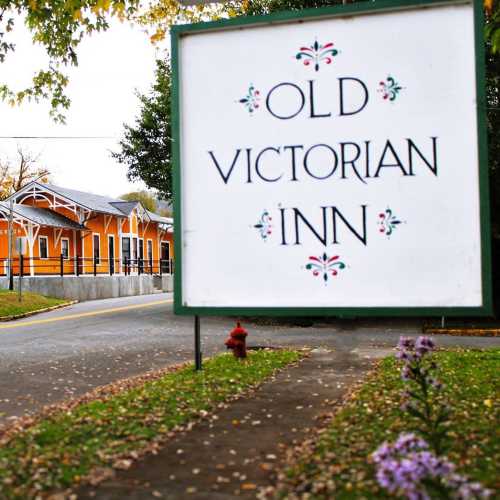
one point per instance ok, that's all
(64, 353)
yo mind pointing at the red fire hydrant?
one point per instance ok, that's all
(237, 341)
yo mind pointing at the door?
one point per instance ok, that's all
(111, 254)
(126, 254)
(165, 257)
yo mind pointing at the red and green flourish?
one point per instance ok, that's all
(251, 100)
(388, 222)
(317, 53)
(325, 266)
(264, 226)
(390, 88)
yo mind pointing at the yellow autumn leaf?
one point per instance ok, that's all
(77, 15)
(488, 403)
(158, 36)
(119, 8)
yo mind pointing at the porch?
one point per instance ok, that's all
(66, 266)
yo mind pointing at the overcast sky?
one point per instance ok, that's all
(111, 66)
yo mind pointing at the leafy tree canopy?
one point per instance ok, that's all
(147, 200)
(145, 147)
(60, 25)
(492, 30)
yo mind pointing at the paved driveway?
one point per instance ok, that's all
(63, 353)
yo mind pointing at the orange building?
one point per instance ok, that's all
(72, 232)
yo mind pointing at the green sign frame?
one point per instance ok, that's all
(357, 8)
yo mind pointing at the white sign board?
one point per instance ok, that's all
(21, 245)
(331, 165)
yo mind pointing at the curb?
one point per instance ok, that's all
(31, 313)
(464, 332)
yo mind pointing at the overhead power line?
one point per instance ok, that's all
(58, 137)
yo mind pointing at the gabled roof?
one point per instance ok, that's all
(41, 216)
(95, 202)
(125, 207)
(158, 218)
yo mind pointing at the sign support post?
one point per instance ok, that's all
(197, 344)
(21, 267)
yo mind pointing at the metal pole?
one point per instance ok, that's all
(197, 344)
(11, 271)
(21, 264)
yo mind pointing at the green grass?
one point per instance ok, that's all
(10, 305)
(61, 448)
(337, 464)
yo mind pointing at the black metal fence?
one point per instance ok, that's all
(78, 266)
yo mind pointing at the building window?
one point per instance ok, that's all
(65, 248)
(134, 248)
(125, 249)
(150, 251)
(43, 242)
(97, 248)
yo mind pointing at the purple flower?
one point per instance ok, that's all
(407, 467)
(385, 475)
(409, 442)
(473, 490)
(424, 345)
(383, 452)
(417, 495)
(406, 373)
(466, 490)
(406, 344)
(406, 356)
(434, 382)
(443, 467)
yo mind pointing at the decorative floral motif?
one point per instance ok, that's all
(388, 222)
(251, 100)
(317, 53)
(324, 266)
(264, 225)
(390, 88)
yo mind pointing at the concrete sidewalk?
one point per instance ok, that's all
(234, 454)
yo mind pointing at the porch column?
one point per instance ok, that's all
(75, 252)
(119, 222)
(31, 242)
(83, 253)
